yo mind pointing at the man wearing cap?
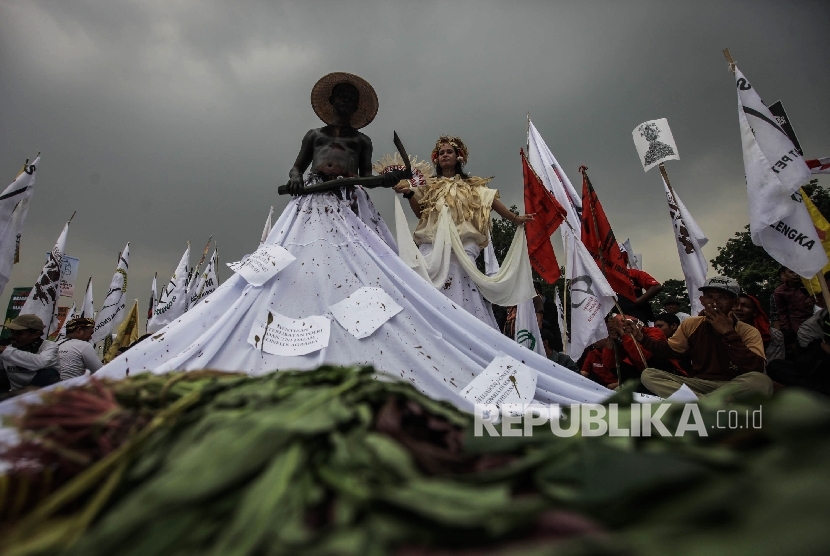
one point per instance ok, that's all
(723, 350)
(346, 103)
(29, 360)
(76, 353)
(672, 307)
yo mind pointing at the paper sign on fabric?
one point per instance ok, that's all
(281, 335)
(654, 143)
(505, 381)
(69, 272)
(365, 311)
(263, 264)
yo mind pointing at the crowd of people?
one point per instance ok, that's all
(732, 342)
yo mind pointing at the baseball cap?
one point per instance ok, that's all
(729, 285)
(26, 322)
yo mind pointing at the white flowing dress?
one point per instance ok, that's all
(432, 343)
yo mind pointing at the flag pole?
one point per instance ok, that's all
(824, 291)
(565, 301)
(729, 59)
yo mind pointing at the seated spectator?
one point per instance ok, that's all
(634, 357)
(794, 305)
(600, 365)
(672, 307)
(667, 323)
(811, 369)
(810, 329)
(76, 353)
(749, 310)
(555, 356)
(723, 350)
(29, 360)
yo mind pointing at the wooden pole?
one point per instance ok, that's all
(729, 59)
(824, 292)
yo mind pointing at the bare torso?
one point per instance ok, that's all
(335, 151)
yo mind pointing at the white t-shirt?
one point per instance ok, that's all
(76, 357)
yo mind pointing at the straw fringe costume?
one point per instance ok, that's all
(469, 202)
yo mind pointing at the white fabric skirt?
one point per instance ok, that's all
(461, 290)
(433, 342)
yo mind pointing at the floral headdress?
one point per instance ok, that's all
(457, 144)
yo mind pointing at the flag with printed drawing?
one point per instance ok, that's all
(527, 328)
(115, 303)
(172, 302)
(778, 218)
(591, 299)
(14, 206)
(208, 280)
(43, 298)
(689, 238)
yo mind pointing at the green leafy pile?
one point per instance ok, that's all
(335, 461)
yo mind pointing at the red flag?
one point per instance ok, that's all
(599, 239)
(548, 216)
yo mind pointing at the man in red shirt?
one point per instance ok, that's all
(645, 288)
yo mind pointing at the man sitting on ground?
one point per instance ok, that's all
(723, 350)
(749, 310)
(76, 353)
(29, 360)
(668, 323)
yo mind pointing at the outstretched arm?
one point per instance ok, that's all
(505, 213)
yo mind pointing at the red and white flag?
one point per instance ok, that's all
(548, 216)
(599, 240)
(819, 165)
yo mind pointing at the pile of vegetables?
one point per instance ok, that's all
(337, 462)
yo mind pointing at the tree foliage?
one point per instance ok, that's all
(671, 288)
(750, 265)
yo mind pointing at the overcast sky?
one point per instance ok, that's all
(163, 121)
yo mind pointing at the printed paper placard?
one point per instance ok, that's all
(505, 381)
(263, 264)
(364, 311)
(281, 335)
(655, 143)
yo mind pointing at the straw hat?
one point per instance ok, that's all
(367, 107)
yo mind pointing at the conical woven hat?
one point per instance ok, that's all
(367, 107)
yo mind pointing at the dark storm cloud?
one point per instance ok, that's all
(163, 122)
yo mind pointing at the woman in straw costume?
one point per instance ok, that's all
(470, 202)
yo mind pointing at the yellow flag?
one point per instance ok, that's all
(127, 334)
(823, 229)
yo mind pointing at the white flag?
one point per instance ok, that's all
(88, 307)
(591, 299)
(690, 239)
(208, 281)
(71, 314)
(14, 206)
(563, 330)
(553, 176)
(42, 299)
(527, 328)
(267, 229)
(113, 309)
(173, 300)
(778, 219)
